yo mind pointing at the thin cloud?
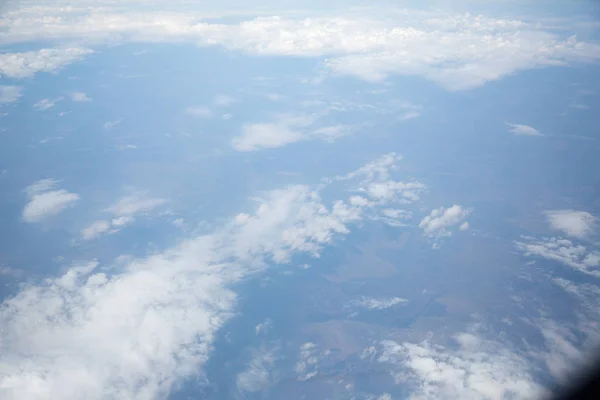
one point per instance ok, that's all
(199, 111)
(258, 373)
(577, 224)
(46, 104)
(371, 303)
(80, 97)
(223, 101)
(563, 251)
(10, 94)
(108, 125)
(95, 229)
(523, 130)
(46, 201)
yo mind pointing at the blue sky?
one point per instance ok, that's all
(160, 159)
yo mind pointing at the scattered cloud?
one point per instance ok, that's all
(523, 130)
(371, 303)
(46, 201)
(140, 330)
(199, 111)
(438, 223)
(563, 251)
(24, 65)
(80, 97)
(474, 369)
(45, 104)
(10, 94)
(577, 224)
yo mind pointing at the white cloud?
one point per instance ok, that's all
(199, 111)
(379, 304)
(257, 375)
(223, 101)
(578, 224)
(457, 51)
(23, 65)
(438, 223)
(46, 201)
(134, 204)
(80, 97)
(108, 125)
(151, 323)
(580, 106)
(264, 327)
(563, 251)
(523, 130)
(307, 365)
(45, 104)
(476, 369)
(95, 229)
(9, 94)
(409, 115)
(286, 129)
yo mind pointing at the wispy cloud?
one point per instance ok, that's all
(286, 129)
(258, 373)
(45, 200)
(95, 229)
(578, 224)
(45, 104)
(223, 100)
(108, 125)
(523, 130)
(563, 251)
(199, 111)
(10, 94)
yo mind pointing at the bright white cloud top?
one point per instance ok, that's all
(45, 200)
(578, 224)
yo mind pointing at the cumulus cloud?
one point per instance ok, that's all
(9, 93)
(578, 224)
(307, 366)
(286, 129)
(474, 369)
(23, 65)
(523, 130)
(371, 303)
(438, 223)
(80, 97)
(563, 251)
(45, 200)
(264, 327)
(457, 51)
(151, 323)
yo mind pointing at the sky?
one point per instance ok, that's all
(151, 196)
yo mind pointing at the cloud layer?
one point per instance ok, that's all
(457, 51)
